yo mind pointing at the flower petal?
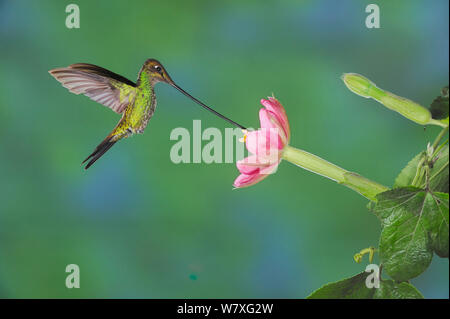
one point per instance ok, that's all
(274, 106)
(250, 165)
(269, 120)
(270, 169)
(264, 143)
(245, 180)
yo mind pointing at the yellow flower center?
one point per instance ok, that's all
(243, 139)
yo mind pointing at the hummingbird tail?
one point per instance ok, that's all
(101, 149)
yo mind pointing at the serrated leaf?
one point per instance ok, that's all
(392, 290)
(439, 107)
(355, 288)
(415, 223)
(439, 174)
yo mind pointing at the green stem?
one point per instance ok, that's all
(418, 175)
(439, 137)
(315, 164)
(438, 149)
(438, 122)
(417, 180)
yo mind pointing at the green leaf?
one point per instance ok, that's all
(439, 108)
(439, 238)
(392, 290)
(439, 174)
(349, 288)
(415, 223)
(355, 288)
(407, 174)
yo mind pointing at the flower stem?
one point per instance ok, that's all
(439, 137)
(315, 164)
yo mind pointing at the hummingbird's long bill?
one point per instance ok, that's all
(207, 107)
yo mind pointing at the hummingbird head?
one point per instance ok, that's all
(157, 72)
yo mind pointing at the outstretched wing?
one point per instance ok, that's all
(102, 86)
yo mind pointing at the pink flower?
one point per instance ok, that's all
(266, 144)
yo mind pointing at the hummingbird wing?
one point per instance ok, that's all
(101, 85)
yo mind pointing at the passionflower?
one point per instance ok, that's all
(266, 144)
(270, 144)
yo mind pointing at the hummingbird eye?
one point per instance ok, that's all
(157, 68)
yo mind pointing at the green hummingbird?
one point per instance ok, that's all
(135, 101)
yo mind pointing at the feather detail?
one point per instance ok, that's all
(100, 85)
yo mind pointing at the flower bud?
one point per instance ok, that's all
(366, 88)
(358, 84)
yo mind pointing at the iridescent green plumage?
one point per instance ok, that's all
(142, 104)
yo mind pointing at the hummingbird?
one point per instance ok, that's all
(135, 101)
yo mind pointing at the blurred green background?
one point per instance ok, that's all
(140, 226)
